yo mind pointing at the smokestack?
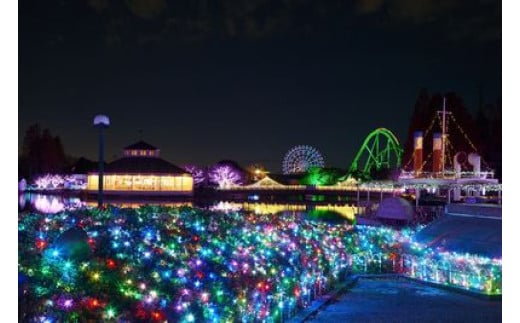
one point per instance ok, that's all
(457, 159)
(474, 160)
(417, 152)
(437, 153)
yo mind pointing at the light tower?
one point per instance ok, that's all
(101, 121)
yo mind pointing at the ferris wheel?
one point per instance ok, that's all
(300, 158)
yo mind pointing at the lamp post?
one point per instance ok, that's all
(101, 121)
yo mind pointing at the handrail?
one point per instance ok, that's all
(447, 174)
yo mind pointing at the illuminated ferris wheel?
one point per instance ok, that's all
(300, 158)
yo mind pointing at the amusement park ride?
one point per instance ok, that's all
(381, 150)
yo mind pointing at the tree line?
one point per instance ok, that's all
(41, 153)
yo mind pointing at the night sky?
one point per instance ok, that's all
(247, 80)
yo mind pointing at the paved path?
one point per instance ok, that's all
(400, 300)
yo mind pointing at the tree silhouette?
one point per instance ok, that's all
(41, 153)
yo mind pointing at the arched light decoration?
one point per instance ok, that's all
(101, 120)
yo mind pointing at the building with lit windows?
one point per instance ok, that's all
(142, 172)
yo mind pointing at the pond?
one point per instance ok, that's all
(52, 204)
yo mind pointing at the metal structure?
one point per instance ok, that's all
(300, 158)
(444, 155)
(101, 122)
(381, 149)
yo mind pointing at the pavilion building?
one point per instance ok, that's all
(142, 172)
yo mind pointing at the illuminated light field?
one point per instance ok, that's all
(186, 264)
(466, 271)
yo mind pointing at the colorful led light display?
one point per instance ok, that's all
(185, 264)
(466, 271)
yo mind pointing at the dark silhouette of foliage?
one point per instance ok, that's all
(41, 153)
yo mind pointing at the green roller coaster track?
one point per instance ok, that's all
(381, 149)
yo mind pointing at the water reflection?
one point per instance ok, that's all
(257, 208)
(48, 204)
(344, 210)
(137, 204)
(56, 203)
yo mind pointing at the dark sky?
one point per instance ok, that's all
(247, 80)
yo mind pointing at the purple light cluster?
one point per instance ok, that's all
(198, 174)
(57, 181)
(49, 181)
(225, 176)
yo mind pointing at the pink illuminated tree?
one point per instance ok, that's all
(225, 176)
(198, 174)
(49, 181)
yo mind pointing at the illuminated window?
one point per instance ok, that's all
(120, 182)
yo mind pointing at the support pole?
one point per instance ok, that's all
(368, 201)
(101, 166)
(358, 210)
(101, 121)
(443, 156)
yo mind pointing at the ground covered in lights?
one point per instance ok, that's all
(394, 299)
(187, 264)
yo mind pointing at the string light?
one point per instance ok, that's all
(249, 266)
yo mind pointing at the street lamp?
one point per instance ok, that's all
(101, 121)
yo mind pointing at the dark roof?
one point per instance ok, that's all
(488, 210)
(395, 208)
(141, 145)
(143, 165)
(84, 166)
(464, 234)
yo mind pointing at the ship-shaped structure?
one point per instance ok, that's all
(446, 178)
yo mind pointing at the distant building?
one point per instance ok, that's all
(142, 171)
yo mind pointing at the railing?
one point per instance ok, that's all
(483, 278)
(263, 188)
(447, 174)
(385, 188)
(480, 277)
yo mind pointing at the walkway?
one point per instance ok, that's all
(393, 299)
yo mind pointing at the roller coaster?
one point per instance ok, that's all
(380, 150)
